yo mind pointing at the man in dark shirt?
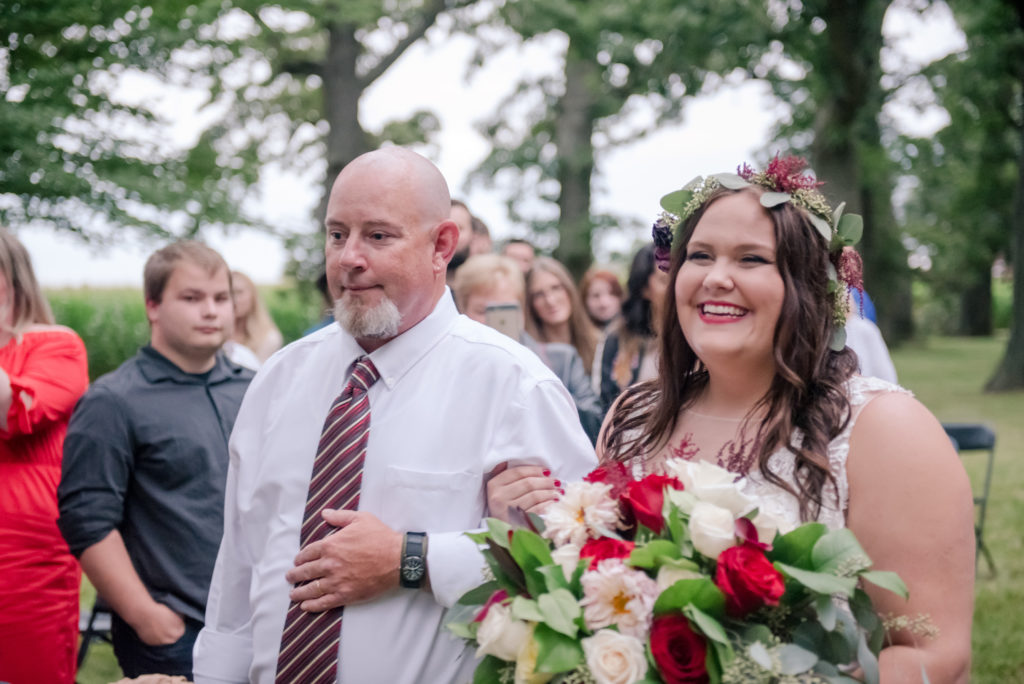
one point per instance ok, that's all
(145, 463)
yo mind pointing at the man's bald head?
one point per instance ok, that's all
(405, 171)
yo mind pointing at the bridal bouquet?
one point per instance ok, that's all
(673, 578)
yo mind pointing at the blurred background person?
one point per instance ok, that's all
(254, 328)
(521, 251)
(554, 312)
(602, 296)
(43, 372)
(630, 351)
(328, 302)
(489, 279)
(464, 220)
(865, 339)
(481, 242)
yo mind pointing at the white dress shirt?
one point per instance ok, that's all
(454, 400)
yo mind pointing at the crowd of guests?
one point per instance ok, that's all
(181, 482)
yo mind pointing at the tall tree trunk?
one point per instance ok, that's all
(976, 304)
(847, 153)
(1009, 374)
(342, 89)
(573, 130)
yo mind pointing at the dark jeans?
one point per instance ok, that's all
(138, 658)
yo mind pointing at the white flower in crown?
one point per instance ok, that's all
(615, 658)
(614, 594)
(710, 483)
(585, 511)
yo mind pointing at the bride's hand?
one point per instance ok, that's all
(530, 488)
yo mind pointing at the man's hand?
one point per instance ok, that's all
(357, 563)
(158, 625)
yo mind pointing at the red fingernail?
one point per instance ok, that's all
(546, 472)
(558, 483)
(561, 491)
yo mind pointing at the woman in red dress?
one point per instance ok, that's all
(43, 372)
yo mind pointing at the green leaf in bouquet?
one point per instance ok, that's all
(867, 660)
(838, 551)
(827, 611)
(887, 580)
(653, 553)
(794, 660)
(478, 537)
(556, 652)
(490, 670)
(554, 577)
(819, 582)
(712, 663)
(864, 613)
(536, 523)
(758, 632)
(794, 548)
(526, 609)
(463, 630)
(560, 610)
(701, 593)
(499, 531)
(479, 595)
(506, 572)
(531, 552)
(758, 652)
(709, 626)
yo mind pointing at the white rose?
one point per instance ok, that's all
(712, 528)
(568, 557)
(767, 524)
(501, 635)
(615, 658)
(710, 483)
(667, 576)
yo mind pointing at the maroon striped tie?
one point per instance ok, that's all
(309, 643)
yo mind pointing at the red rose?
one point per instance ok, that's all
(748, 580)
(678, 651)
(644, 498)
(613, 473)
(605, 547)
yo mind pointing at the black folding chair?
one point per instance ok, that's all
(92, 626)
(977, 437)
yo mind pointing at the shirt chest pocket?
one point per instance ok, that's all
(432, 501)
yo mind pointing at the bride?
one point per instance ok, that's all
(750, 379)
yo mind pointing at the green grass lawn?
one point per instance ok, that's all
(947, 375)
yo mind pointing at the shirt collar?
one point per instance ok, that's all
(396, 357)
(156, 367)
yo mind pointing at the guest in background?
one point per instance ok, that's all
(42, 374)
(487, 279)
(481, 242)
(521, 251)
(141, 495)
(554, 312)
(630, 351)
(463, 218)
(865, 339)
(328, 302)
(253, 325)
(602, 295)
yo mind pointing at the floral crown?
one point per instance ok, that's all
(784, 181)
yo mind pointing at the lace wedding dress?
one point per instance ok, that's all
(731, 450)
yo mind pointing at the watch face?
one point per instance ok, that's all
(412, 569)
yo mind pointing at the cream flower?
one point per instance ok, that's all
(710, 483)
(615, 658)
(526, 663)
(501, 635)
(567, 557)
(614, 594)
(767, 524)
(712, 528)
(585, 510)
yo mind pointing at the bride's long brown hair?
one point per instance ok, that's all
(805, 407)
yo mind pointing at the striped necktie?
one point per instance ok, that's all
(309, 643)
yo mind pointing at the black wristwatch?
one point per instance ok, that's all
(414, 560)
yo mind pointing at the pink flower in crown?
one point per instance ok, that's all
(614, 594)
(784, 173)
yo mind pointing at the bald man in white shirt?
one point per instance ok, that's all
(454, 401)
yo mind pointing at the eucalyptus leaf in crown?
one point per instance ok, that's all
(783, 181)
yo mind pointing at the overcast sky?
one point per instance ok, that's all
(716, 134)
